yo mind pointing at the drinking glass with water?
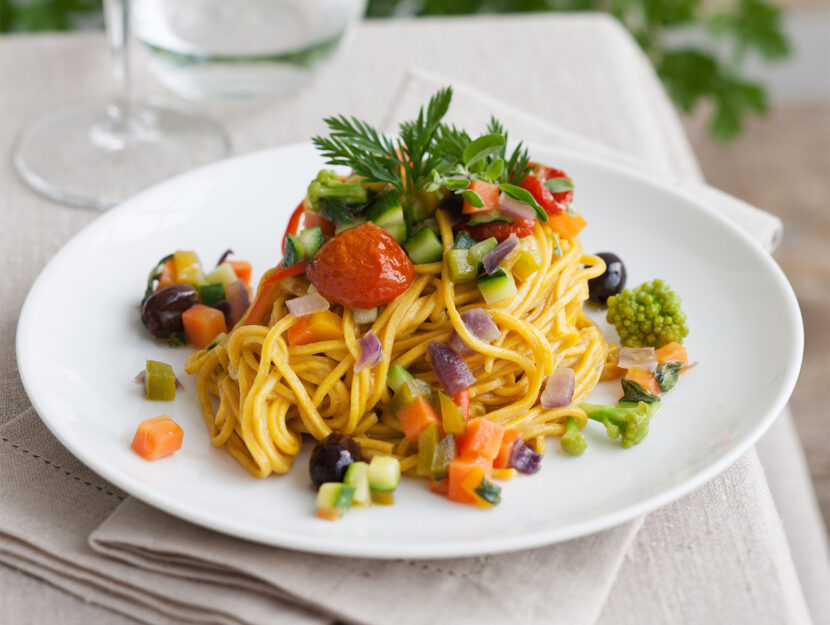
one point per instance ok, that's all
(241, 48)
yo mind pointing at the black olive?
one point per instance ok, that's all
(331, 457)
(161, 313)
(611, 282)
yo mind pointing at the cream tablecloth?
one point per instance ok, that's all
(719, 554)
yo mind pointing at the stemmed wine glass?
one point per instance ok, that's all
(98, 153)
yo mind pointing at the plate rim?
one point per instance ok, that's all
(421, 550)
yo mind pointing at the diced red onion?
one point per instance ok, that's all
(642, 357)
(365, 315)
(452, 372)
(371, 351)
(492, 258)
(306, 305)
(141, 378)
(225, 306)
(559, 389)
(524, 459)
(224, 256)
(237, 294)
(480, 324)
(515, 208)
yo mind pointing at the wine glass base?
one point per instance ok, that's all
(85, 156)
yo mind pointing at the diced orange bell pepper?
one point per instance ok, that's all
(441, 487)
(489, 194)
(460, 469)
(644, 378)
(462, 400)
(671, 352)
(416, 417)
(565, 225)
(502, 460)
(320, 326)
(483, 439)
(157, 437)
(242, 269)
(202, 324)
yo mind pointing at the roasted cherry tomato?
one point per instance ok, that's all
(361, 267)
(500, 229)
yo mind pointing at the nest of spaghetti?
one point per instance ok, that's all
(260, 394)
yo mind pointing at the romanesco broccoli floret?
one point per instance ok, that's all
(648, 315)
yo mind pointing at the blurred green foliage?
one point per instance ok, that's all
(708, 68)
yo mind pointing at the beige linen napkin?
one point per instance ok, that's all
(159, 569)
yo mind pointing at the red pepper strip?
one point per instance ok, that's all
(293, 223)
(268, 290)
(462, 400)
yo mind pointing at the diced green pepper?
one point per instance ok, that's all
(212, 293)
(444, 454)
(407, 392)
(427, 441)
(459, 267)
(397, 375)
(159, 381)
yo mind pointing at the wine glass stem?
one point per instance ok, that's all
(117, 14)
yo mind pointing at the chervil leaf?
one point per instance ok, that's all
(559, 185)
(476, 151)
(524, 196)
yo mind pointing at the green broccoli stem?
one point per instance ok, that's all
(572, 441)
(630, 423)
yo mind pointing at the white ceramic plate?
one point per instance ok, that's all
(80, 342)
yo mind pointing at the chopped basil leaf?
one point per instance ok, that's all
(635, 392)
(155, 273)
(489, 492)
(666, 375)
(178, 338)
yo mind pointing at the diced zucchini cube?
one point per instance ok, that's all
(397, 375)
(384, 473)
(476, 252)
(424, 247)
(357, 476)
(497, 287)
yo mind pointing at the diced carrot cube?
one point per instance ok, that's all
(416, 417)
(483, 438)
(502, 460)
(644, 378)
(157, 437)
(242, 269)
(459, 478)
(489, 194)
(202, 324)
(298, 333)
(671, 352)
(313, 219)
